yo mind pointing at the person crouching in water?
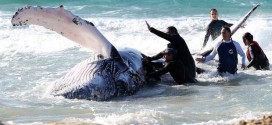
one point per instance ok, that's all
(255, 54)
(173, 65)
(227, 50)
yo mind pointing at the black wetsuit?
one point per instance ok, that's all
(214, 30)
(256, 57)
(183, 53)
(175, 68)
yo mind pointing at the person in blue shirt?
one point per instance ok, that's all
(214, 29)
(227, 50)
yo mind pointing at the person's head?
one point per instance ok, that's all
(214, 14)
(169, 54)
(226, 33)
(247, 38)
(171, 30)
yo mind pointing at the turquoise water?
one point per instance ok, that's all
(32, 58)
(143, 8)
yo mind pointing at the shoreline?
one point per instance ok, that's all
(265, 120)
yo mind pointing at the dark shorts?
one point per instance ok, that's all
(229, 70)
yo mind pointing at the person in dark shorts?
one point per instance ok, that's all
(183, 52)
(255, 54)
(173, 65)
(214, 29)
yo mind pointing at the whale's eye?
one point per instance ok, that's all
(100, 56)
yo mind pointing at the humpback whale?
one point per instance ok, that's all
(108, 73)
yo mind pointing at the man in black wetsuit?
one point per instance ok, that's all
(173, 65)
(255, 54)
(183, 53)
(214, 29)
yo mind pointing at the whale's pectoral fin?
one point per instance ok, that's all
(68, 25)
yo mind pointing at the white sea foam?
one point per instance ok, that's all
(127, 33)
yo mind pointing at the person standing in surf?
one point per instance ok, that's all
(214, 28)
(255, 54)
(227, 51)
(183, 52)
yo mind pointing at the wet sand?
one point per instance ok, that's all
(265, 120)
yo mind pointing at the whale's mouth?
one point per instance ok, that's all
(98, 89)
(91, 80)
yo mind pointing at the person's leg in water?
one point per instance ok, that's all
(190, 76)
(199, 70)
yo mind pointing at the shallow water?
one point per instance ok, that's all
(32, 58)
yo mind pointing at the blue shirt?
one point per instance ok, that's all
(238, 48)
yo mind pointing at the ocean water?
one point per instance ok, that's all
(32, 58)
